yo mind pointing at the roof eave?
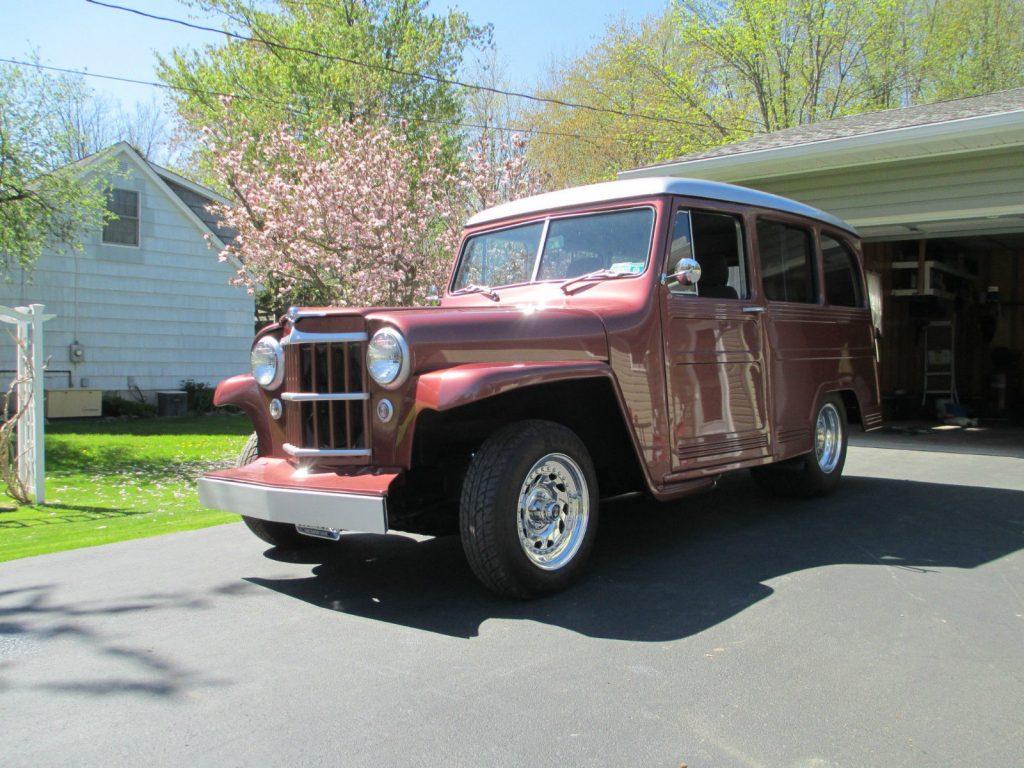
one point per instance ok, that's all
(912, 142)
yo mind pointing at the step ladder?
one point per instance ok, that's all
(940, 360)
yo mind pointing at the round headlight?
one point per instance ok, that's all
(387, 358)
(267, 360)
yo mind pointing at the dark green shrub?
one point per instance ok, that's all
(114, 405)
(200, 396)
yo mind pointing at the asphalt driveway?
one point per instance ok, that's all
(883, 626)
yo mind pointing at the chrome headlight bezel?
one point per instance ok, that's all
(396, 340)
(272, 353)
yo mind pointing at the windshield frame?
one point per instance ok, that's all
(546, 220)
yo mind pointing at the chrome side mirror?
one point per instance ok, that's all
(687, 271)
(433, 296)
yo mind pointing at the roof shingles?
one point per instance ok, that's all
(866, 123)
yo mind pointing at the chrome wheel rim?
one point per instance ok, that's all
(828, 438)
(553, 511)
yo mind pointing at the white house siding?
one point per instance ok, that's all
(952, 188)
(156, 314)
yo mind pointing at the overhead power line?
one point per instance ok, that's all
(296, 111)
(396, 70)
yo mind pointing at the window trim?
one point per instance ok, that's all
(743, 243)
(815, 259)
(546, 220)
(137, 218)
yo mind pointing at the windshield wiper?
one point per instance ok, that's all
(474, 288)
(597, 274)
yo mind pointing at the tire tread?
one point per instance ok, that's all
(486, 478)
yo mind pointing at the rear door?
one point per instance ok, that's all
(714, 352)
(852, 331)
(798, 328)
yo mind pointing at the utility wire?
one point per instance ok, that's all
(296, 111)
(395, 70)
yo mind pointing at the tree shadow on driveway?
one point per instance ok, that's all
(32, 616)
(664, 572)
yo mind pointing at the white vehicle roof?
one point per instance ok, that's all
(645, 187)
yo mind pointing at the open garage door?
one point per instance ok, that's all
(953, 323)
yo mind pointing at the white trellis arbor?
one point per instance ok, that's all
(31, 448)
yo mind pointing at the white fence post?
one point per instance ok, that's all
(31, 448)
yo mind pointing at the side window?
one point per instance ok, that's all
(124, 230)
(715, 240)
(787, 262)
(842, 276)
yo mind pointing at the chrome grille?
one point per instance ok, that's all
(326, 402)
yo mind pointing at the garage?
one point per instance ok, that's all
(937, 194)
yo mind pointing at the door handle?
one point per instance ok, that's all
(753, 310)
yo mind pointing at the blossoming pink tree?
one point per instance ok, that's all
(358, 216)
(496, 171)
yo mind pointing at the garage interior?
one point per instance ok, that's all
(952, 325)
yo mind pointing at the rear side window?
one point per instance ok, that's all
(787, 262)
(842, 277)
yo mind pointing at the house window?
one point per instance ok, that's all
(124, 230)
(842, 277)
(787, 263)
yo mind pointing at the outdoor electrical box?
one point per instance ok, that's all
(76, 353)
(73, 403)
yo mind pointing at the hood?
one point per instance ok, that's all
(440, 337)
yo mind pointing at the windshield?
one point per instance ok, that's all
(619, 241)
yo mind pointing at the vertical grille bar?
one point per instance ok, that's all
(330, 388)
(314, 406)
(348, 410)
(293, 383)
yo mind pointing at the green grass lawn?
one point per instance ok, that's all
(109, 480)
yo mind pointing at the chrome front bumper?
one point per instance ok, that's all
(319, 509)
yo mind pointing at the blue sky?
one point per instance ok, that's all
(529, 34)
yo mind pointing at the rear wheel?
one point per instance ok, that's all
(528, 512)
(818, 472)
(281, 535)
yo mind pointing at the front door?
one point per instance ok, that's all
(714, 351)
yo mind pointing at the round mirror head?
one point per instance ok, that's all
(687, 271)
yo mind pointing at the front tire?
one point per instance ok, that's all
(529, 509)
(281, 535)
(816, 473)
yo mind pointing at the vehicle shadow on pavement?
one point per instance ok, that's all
(664, 572)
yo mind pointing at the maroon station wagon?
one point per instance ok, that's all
(640, 336)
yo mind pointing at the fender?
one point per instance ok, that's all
(245, 394)
(463, 384)
(460, 385)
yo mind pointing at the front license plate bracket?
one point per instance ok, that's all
(331, 534)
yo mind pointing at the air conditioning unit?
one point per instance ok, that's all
(73, 403)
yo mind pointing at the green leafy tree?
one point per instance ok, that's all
(283, 83)
(969, 48)
(645, 70)
(715, 71)
(43, 200)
